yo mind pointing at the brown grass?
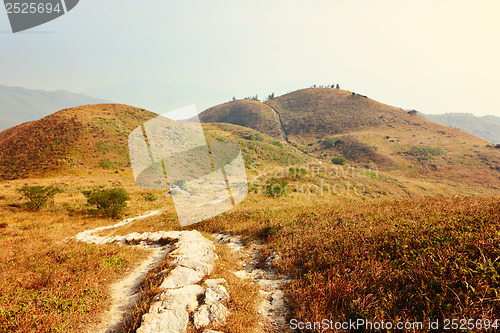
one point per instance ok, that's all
(46, 283)
(386, 260)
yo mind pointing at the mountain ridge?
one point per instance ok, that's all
(485, 127)
(19, 105)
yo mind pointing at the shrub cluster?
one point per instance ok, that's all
(107, 202)
(298, 172)
(424, 152)
(339, 160)
(275, 187)
(38, 196)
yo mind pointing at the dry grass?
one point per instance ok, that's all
(387, 260)
(244, 295)
(46, 283)
(149, 288)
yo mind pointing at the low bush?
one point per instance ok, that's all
(298, 172)
(181, 183)
(277, 143)
(38, 196)
(106, 163)
(107, 202)
(149, 196)
(424, 152)
(339, 160)
(254, 136)
(275, 187)
(330, 142)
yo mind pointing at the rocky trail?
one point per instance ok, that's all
(188, 299)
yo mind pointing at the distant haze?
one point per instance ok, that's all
(487, 127)
(432, 56)
(19, 105)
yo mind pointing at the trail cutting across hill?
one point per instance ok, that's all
(281, 123)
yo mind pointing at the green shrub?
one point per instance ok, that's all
(38, 196)
(105, 163)
(275, 187)
(330, 142)
(304, 149)
(339, 160)
(424, 152)
(181, 183)
(149, 196)
(298, 172)
(107, 202)
(254, 136)
(370, 174)
(277, 143)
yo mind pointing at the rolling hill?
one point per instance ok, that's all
(325, 123)
(248, 113)
(19, 105)
(305, 126)
(96, 136)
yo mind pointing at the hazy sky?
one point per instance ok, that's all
(435, 56)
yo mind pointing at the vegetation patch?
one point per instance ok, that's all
(275, 187)
(414, 260)
(38, 196)
(423, 153)
(107, 202)
(355, 150)
(106, 163)
(339, 160)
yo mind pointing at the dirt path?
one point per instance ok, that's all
(272, 308)
(125, 293)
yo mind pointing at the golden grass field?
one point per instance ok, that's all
(351, 256)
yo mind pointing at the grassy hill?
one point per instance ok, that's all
(413, 215)
(79, 137)
(248, 113)
(95, 136)
(326, 123)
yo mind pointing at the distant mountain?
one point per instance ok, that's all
(19, 105)
(486, 127)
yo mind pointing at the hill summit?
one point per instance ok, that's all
(77, 137)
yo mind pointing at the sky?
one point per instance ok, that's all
(435, 56)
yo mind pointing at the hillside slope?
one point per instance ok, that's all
(326, 123)
(96, 136)
(78, 137)
(19, 105)
(248, 113)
